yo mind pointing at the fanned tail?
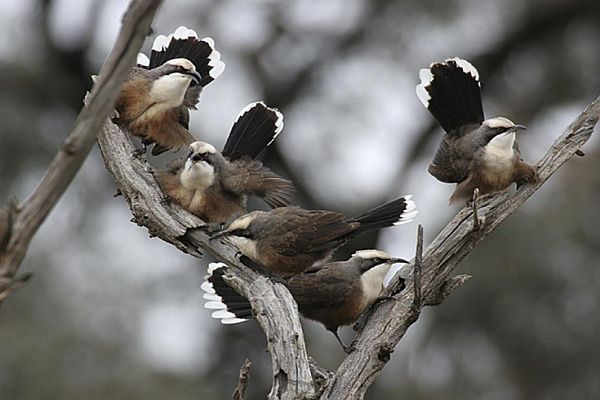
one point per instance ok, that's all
(230, 306)
(450, 91)
(184, 43)
(255, 128)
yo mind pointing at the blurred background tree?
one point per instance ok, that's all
(113, 314)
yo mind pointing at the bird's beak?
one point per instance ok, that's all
(518, 128)
(218, 235)
(397, 261)
(196, 78)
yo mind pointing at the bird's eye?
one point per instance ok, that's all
(201, 157)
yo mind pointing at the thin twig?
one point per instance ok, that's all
(455, 241)
(240, 391)
(417, 271)
(78, 143)
(475, 205)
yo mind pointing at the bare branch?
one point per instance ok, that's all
(240, 391)
(453, 243)
(273, 306)
(33, 211)
(417, 299)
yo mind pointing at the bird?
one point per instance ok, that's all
(474, 152)
(290, 240)
(214, 185)
(154, 100)
(335, 294)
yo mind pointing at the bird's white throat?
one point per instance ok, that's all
(197, 175)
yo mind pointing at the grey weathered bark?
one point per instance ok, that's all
(273, 306)
(381, 333)
(240, 391)
(21, 221)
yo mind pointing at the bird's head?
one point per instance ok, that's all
(500, 132)
(369, 259)
(242, 227)
(373, 265)
(199, 169)
(172, 79)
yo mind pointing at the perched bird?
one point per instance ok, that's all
(474, 153)
(154, 100)
(335, 294)
(214, 186)
(290, 240)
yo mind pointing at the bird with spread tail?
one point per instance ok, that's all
(475, 153)
(290, 240)
(155, 99)
(335, 294)
(215, 185)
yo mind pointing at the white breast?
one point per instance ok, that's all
(372, 282)
(168, 91)
(499, 152)
(197, 175)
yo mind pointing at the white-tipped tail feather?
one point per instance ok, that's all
(466, 66)
(278, 121)
(183, 33)
(162, 42)
(216, 301)
(409, 213)
(214, 59)
(426, 77)
(143, 60)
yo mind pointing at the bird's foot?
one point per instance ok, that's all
(165, 201)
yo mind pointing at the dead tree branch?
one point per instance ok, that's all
(453, 243)
(240, 391)
(22, 221)
(273, 306)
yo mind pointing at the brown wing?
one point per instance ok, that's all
(168, 178)
(309, 231)
(252, 178)
(319, 288)
(168, 133)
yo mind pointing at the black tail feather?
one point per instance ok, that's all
(235, 307)
(183, 43)
(395, 212)
(255, 128)
(450, 91)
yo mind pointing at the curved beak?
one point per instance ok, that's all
(196, 78)
(397, 261)
(218, 235)
(518, 128)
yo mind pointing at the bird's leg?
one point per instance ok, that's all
(138, 153)
(214, 227)
(418, 272)
(477, 222)
(347, 349)
(165, 201)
